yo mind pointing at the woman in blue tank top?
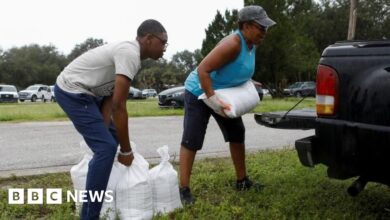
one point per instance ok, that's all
(231, 63)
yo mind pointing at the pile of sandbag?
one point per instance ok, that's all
(165, 187)
(78, 172)
(139, 193)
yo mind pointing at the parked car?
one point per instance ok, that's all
(259, 88)
(134, 93)
(266, 92)
(34, 92)
(8, 93)
(287, 91)
(53, 96)
(149, 93)
(301, 89)
(173, 97)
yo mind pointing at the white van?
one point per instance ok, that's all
(36, 92)
(149, 93)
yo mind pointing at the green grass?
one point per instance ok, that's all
(21, 112)
(291, 192)
(269, 105)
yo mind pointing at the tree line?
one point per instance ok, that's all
(289, 53)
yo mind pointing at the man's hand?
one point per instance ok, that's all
(126, 160)
(218, 105)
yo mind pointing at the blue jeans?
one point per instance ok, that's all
(84, 111)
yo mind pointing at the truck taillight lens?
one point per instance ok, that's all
(327, 84)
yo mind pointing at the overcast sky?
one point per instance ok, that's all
(66, 23)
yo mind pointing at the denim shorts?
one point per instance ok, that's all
(196, 118)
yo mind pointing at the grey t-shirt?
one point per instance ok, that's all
(94, 71)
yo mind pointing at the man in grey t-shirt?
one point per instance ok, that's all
(93, 91)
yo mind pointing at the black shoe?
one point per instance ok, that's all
(186, 196)
(246, 184)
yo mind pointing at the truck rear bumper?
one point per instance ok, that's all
(304, 149)
(348, 149)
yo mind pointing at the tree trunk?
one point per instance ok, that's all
(352, 20)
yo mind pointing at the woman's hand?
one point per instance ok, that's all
(218, 105)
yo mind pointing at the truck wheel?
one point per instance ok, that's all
(33, 98)
(43, 99)
(298, 94)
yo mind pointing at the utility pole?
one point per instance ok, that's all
(352, 20)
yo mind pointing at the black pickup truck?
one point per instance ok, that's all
(352, 117)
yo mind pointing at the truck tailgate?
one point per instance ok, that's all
(296, 119)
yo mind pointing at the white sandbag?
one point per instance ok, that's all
(134, 190)
(109, 210)
(79, 179)
(242, 99)
(78, 172)
(166, 196)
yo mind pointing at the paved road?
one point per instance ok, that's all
(39, 147)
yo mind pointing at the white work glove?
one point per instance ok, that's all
(217, 105)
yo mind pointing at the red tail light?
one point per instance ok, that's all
(327, 84)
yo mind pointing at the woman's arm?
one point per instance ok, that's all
(225, 52)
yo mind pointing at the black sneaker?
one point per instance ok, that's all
(244, 184)
(186, 196)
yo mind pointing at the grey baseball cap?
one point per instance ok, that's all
(255, 13)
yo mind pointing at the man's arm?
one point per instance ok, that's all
(120, 117)
(106, 110)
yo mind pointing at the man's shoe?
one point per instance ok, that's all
(186, 196)
(244, 184)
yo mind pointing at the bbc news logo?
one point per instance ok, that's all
(54, 196)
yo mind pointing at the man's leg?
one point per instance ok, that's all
(84, 112)
(99, 168)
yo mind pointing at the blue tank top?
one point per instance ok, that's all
(232, 74)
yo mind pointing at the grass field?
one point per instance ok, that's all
(291, 192)
(38, 111)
